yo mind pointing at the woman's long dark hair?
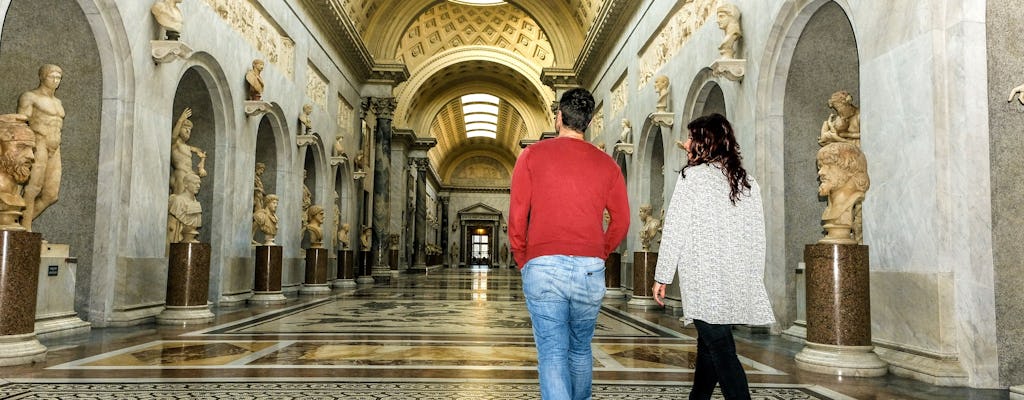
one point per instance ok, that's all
(712, 142)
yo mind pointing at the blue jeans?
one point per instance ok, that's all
(563, 295)
(717, 363)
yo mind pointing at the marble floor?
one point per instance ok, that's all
(450, 334)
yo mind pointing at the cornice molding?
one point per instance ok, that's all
(342, 34)
(608, 26)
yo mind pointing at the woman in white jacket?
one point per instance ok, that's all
(714, 237)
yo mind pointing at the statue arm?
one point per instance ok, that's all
(25, 104)
(1016, 92)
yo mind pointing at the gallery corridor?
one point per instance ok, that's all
(451, 334)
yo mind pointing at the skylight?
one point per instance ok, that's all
(478, 2)
(480, 115)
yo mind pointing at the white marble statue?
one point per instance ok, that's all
(843, 124)
(339, 146)
(315, 216)
(17, 142)
(627, 130)
(307, 200)
(305, 126)
(265, 219)
(181, 152)
(168, 16)
(843, 172)
(649, 228)
(184, 213)
(366, 238)
(343, 236)
(1017, 92)
(258, 193)
(45, 114)
(661, 86)
(254, 81)
(729, 21)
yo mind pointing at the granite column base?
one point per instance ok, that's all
(613, 276)
(346, 270)
(316, 272)
(838, 312)
(644, 263)
(188, 284)
(267, 285)
(19, 283)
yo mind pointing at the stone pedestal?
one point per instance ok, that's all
(1017, 392)
(19, 281)
(365, 266)
(316, 272)
(613, 276)
(55, 298)
(838, 312)
(644, 263)
(188, 284)
(393, 260)
(731, 69)
(164, 51)
(346, 270)
(267, 286)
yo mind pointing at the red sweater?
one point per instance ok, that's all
(560, 190)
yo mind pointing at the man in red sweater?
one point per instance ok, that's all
(560, 190)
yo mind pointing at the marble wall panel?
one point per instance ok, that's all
(923, 320)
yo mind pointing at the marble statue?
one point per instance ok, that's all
(265, 219)
(305, 126)
(337, 213)
(307, 199)
(45, 114)
(729, 21)
(343, 236)
(503, 254)
(661, 86)
(650, 227)
(168, 16)
(181, 152)
(254, 80)
(455, 253)
(339, 146)
(843, 172)
(843, 124)
(1017, 92)
(17, 142)
(315, 216)
(258, 193)
(184, 213)
(366, 238)
(361, 161)
(627, 129)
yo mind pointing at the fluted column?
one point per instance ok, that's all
(383, 108)
(420, 234)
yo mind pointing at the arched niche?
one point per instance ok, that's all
(59, 32)
(705, 97)
(193, 93)
(824, 61)
(652, 167)
(266, 153)
(344, 200)
(310, 178)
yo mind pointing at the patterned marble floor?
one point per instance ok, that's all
(453, 334)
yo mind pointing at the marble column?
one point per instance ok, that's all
(267, 285)
(383, 108)
(188, 283)
(838, 312)
(316, 272)
(612, 276)
(445, 246)
(19, 281)
(644, 263)
(420, 234)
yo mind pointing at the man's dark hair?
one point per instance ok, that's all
(577, 106)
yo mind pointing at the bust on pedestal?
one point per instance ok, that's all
(645, 261)
(316, 254)
(267, 284)
(168, 46)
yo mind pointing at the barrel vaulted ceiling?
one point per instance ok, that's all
(451, 50)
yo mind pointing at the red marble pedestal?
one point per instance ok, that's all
(644, 263)
(267, 285)
(365, 267)
(188, 284)
(19, 281)
(316, 272)
(613, 276)
(838, 312)
(346, 270)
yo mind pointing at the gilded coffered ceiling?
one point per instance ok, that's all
(452, 49)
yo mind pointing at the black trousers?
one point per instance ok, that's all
(717, 364)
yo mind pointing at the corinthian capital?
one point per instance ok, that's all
(383, 107)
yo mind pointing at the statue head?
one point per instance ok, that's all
(645, 211)
(271, 202)
(727, 14)
(257, 65)
(260, 167)
(843, 172)
(661, 83)
(50, 76)
(840, 99)
(315, 213)
(17, 146)
(307, 109)
(191, 183)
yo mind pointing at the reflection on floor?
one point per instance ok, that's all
(454, 334)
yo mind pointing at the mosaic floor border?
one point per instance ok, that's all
(323, 389)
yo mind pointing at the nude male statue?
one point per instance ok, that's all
(46, 118)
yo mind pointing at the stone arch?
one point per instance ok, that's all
(315, 164)
(275, 147)
(344, 189)
(777, 106)
(651, 168)
(704, 97)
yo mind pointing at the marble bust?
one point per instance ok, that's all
(661, 86)
(168, 16)
(728, 17)
(843, 124)
(650, 227)
(343, 236)
(254, 80)
(265, 219)
(184, 213)
(315, 216)
(305, 126)
(365, 239)
(627, 129)
(843, 172)
(17, 142)
(45, 114)
(339, 146)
